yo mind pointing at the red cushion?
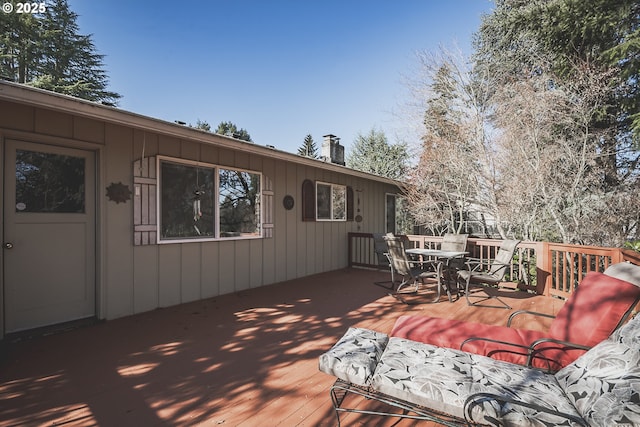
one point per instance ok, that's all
(594, 309)
(452, 333)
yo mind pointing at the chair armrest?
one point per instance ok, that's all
(478, 399)
(525, 347)
(535, 353)
(532, 350)
(474, 264)
(569, 344)
(533, 313)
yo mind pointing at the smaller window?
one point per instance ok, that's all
(331, 202)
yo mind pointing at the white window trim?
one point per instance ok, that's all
(216, 167)
(332, 185)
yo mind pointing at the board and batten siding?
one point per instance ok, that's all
(138, 278)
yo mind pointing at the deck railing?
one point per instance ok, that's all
(552, 269)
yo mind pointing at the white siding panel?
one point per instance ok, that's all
(190, 269)
(291, 240)
(119, 227)
(210, 266)
(169, 275)
(281, 227)
(227, 263)
(255, 263)
(145, 278)
(242, 259)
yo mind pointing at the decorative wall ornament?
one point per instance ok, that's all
(118, 192)
(288, 202)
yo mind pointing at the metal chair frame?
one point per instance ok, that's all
(401, 266)
(481, 272)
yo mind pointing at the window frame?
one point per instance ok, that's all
(331, 214)
(398, 202)
(216, 203)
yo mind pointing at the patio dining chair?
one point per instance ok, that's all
(413, 273)
(382, 258)
(452, 242)
(479, 272)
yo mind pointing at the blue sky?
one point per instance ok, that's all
(281, 69)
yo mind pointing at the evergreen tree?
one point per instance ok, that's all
(308, 148)
(46, 50)
(70, 64)
(230, 129)
(203, 125)
(20, 49)
(373, 154)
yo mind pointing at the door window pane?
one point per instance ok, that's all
(187, 197)
(239, 198)
(51, 183)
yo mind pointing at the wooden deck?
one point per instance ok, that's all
(244, 359)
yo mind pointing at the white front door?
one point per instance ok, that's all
(49, 235)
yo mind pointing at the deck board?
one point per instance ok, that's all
(243, 359)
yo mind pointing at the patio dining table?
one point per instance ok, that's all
(437, 253)
(450, 270)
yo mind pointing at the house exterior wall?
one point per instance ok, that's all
(133, 279)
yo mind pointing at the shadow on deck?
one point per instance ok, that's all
(243, 359)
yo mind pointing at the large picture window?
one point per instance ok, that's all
(331, 202)
(207, 202)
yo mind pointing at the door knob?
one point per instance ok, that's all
(8, 245)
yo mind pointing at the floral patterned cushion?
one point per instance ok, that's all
(604, 383)
(355, 356)
(443, 379)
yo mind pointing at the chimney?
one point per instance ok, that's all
(332, 151)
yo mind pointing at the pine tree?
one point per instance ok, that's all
(19, 47)
(308, 148)
(202, 125)
(46, 51)
(372, 153)
(230, 129)
(71, 64)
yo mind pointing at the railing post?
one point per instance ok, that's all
(544, 265)
(617, 256)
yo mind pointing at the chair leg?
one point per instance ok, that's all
(398, 295)
(482, 298)
(392, 282)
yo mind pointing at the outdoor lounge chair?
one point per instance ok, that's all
(492, 274)
(598, 306)
(413, 273)
(455, 388)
